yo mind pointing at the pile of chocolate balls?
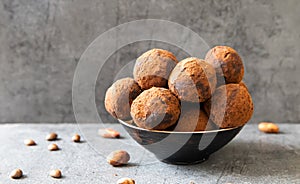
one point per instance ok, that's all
(189, 95)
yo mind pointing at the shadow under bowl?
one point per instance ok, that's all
(181, 147)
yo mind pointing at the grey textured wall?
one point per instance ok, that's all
(41, 42)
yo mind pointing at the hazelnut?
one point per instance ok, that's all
(53, 147)
(268, 127)
(108, 133)
(51, 137)
(118, 158)
(29, 142)
(76, 138)
(55, 173)
(16, 174)
(125, 181)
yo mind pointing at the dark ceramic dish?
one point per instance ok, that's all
(181, 147)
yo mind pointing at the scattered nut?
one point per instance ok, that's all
(55, 173)
(117, 158)
(51, 137)
(76, 138)
(52, 147)
(108, 133)
(29, 142)
(125, 181)
(16, 174)
(268, 127)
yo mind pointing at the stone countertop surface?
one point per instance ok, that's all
(252, 157)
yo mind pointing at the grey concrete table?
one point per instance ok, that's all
(252, 157)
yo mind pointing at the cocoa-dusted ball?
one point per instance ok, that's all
(193, 80)
(227, 63)
(230, 106)
(119, 97)
(242, 83)
(192, 118)
(211, 126)
(155, 109)
(152, 69)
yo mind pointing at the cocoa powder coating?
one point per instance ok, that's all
(230, 106)
(192, 118)
(227, 63)
(152, 69)
(155, 108)
(193, 80)
(119, 97)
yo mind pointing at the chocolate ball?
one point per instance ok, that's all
(193, 80)
(227, 63)
(155, 109)
(242, 83)
(119, 97)
(152, 69)
(230, 106)
(192, 118)
(211, 126)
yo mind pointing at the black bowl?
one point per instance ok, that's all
(181, 147)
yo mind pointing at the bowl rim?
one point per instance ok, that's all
(176, 132)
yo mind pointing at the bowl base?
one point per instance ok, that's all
(188, 162)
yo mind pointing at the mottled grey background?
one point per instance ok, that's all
(41, 43)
